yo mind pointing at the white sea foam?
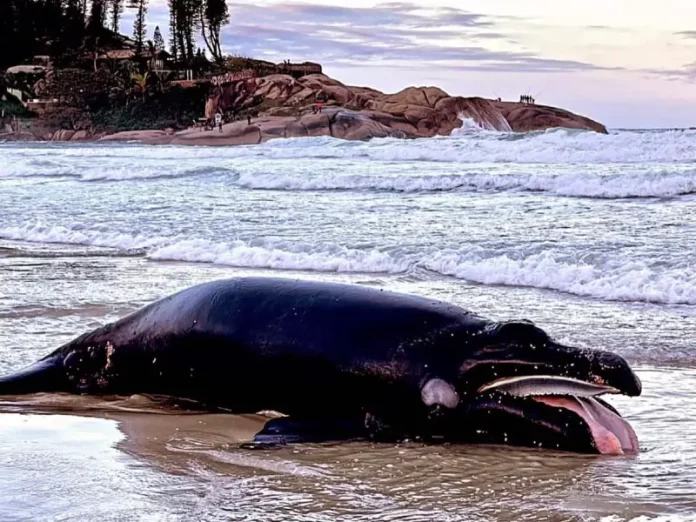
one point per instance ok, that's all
(617, 279)
(79, 235)
(660, 183)
(469, 126)
(281, 256)
(557, 146)
(109, 170)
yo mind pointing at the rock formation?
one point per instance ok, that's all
(284, 107)
(415, 111)
(525, 118)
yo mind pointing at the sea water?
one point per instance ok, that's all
(590, 236)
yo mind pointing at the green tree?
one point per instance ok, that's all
(184, 20)
(31, 27)
(116, 11)
(73, 24)
(214, 14)
(140, 81)
(97, 17)
(158, 40)
(173, 30)
(139, 24)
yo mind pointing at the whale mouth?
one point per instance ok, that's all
(610, 432)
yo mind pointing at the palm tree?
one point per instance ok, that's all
(141, 82)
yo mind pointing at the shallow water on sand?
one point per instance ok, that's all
(595, 245)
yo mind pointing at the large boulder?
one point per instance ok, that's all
(63, 135)
(276, 87)
(351, 125)
(415, 96)
(139, 135)
(524, 118)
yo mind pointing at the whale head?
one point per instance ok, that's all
(519, 387)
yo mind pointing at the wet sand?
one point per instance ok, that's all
(82, 458)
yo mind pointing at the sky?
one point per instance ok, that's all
(626, 63)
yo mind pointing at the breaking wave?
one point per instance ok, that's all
(555, 146)
(79, 235)
(630, 185)
(283, 256)
(616, 279)
(92, 171)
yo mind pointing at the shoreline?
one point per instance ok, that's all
(332, 122)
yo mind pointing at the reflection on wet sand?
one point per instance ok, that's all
(360, 481)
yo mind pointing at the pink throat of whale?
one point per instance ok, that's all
(612, 434)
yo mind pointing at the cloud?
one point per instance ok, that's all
(399, 34)
(687, 35)
(686, 72)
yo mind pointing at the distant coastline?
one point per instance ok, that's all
(281, 106)
(127, 94)
(93, 83)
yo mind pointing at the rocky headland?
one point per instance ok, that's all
(281, 106)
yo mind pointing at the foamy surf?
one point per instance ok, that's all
(556, 146)
(614, 279)
(79, 235)
(282, 256)
(658, 183)
(116, 171)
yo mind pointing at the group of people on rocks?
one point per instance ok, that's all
(527, 99)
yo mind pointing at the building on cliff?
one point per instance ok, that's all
(298, 70)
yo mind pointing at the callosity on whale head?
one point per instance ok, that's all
(517, 386)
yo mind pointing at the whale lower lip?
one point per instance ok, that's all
(612, 435)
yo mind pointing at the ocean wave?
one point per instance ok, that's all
(89, 171)
(631, 185)
(79, 235)
(283, 256)
(555, 146)
(616, 279)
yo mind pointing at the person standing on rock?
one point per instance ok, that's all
(218, 120)
(248, 119)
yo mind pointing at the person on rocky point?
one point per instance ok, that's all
(248, 119)
(218, 120)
